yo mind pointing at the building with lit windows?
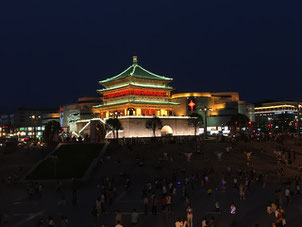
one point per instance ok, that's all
(81, 110)
(6, 128)
(136, 95)
(221, 106)
(30, 122)
(281, 116)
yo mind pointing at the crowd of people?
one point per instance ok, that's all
(162, 195)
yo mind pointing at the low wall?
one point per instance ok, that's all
(135, 127)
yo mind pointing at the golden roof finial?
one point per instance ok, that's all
(134, 59)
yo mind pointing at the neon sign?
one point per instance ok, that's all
(135, 92)
(191, 105)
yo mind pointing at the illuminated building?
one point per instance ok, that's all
(136, 95)
(221, 107)
(6, 124)
(135, 92)
(30, 122)
(70, 114)
(282, 116)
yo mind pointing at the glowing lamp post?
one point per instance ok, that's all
(298, 113)
(117, 114)
(35, 119)
(205, 110)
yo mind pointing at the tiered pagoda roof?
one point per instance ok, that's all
(136, 70)
(136, 76)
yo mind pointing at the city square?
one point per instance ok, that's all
(150, 113)
(162, 161)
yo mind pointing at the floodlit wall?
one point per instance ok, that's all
(135, 127)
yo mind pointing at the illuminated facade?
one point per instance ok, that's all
(282, 116)
(135, 92)
(221, 107)
(136, 95)
(81, 110)
(27, 123)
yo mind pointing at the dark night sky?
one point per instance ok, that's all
(52, 52)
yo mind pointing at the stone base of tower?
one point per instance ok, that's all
(134, 126)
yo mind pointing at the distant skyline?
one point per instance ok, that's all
(53, 52)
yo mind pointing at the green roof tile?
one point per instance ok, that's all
(136, 71)
(136, 85)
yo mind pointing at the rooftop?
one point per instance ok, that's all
(136, 70)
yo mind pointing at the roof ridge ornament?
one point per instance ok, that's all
(134, 60)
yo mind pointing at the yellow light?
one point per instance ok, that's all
(194, 94)
(269, 107)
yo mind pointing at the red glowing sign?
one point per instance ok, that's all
(191, 105)
(134, 92)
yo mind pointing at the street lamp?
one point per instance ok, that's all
(205, 110)
(35, 119)
(116, 114)
(298, 113)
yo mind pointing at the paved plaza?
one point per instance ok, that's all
(147, 163)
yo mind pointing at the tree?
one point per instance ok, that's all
(239, 120)
(114, 124)
(153, 124)
(51, 132)
(195, 120)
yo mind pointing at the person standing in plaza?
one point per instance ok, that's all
(163, 203)
(98, 207)
(298, 188)
(64, 221)
(235, 185)
(233, 211)
(134, 218)
(204, 222)
(51, 222)
(190, 216)
(217, 206)
(287, 195)
(178, 223)
(154, 205)
(242, 192)
(40, 190)
(187, 200)
(184, 222)
(212, 222)
(168, 199)
(118, 217)
(118, 224)
(174, 192)
(146, 203)
(110, 196)
(103, 202)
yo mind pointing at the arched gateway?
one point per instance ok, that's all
(166, 131)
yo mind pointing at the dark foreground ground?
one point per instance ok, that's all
(143, 163)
